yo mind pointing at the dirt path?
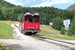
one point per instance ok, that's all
(23, 42)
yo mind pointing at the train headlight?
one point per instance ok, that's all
(37, 28)
(28, 28)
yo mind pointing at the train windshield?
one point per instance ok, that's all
(31, 19)
(36, 18)
(26, 18)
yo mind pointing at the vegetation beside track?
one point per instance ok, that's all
(45, 31)
(3, 47)
(6, 30)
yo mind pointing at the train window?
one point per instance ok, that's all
(26, 18)
(31, 19)
(36, 19)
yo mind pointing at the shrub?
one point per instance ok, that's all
(62, 31)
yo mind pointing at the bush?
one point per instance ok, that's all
(3, 48)
(62, 31)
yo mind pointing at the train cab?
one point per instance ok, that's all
(30, 24)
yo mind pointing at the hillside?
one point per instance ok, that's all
(6, 30)
(72, 7)
(45, 31)
(6, 4)
(47, 14)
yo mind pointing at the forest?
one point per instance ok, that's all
(47, 14)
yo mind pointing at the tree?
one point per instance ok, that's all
(72, 27)
(0, 11)
(1, 15)
(20, 16)
(57, 23)
(62, 31)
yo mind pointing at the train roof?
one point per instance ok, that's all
(35, 14)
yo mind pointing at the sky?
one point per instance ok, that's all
(61, 4)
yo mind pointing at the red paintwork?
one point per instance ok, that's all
(28, 25)
(8, 20)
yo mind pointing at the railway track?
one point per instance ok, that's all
(66, 44)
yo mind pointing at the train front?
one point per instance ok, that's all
(31, 23)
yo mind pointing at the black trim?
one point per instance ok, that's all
(30, 30)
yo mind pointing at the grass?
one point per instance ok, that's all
(3, 47)
(45, 31)
(6, 30)
(58, 37)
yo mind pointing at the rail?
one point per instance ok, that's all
(43, 38)
(56, 40)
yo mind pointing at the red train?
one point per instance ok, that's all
(30, 24)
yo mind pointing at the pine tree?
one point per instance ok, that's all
(57, 23)
(62, 31)
(1, 15)
(72, 27)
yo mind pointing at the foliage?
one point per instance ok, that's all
(1, 15)
(20, 16)
(62, 31)
(3, 3)
(47, 14)
(57, 23)
(72, 7)
(3, 48)
(72, 27)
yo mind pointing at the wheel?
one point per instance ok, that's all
(34, 33)
(28, 33)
